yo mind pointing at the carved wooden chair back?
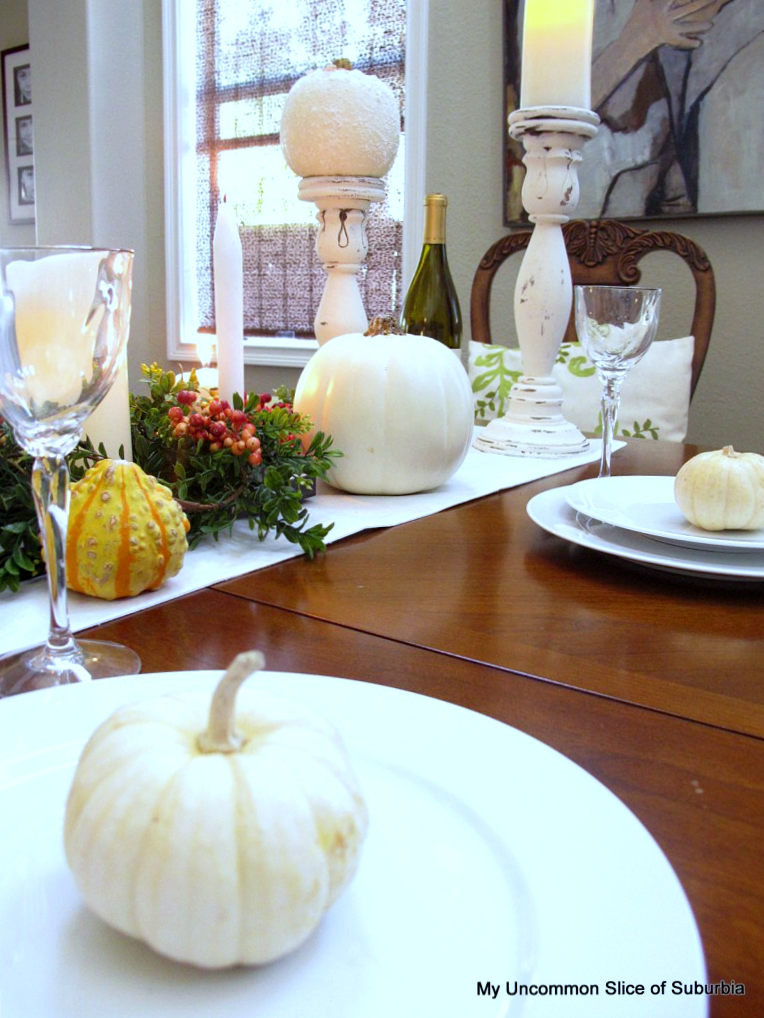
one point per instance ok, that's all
(605, 252)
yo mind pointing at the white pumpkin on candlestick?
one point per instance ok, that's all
(340, 122)
(398, 407)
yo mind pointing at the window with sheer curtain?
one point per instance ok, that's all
(246, 56)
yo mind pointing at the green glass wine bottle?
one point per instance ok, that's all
(431, 307)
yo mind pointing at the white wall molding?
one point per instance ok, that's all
(417, 46)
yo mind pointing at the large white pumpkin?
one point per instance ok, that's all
(398, 407)
(215, 846)
(340, 122)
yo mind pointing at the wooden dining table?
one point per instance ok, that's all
(651, 681)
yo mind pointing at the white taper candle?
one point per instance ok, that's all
(110, 421)
(228, 271)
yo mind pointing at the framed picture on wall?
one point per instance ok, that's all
(19, 134)
(675, 85)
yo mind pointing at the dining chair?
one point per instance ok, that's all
(605, 252)
(601, 252)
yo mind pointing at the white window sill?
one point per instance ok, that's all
(279, 352)
(273, 351)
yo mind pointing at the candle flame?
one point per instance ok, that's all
(205, 350)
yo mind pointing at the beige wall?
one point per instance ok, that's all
(464, 142)
(97, 70)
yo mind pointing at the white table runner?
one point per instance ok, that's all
(24, 616)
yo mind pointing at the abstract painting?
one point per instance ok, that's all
(677, 85)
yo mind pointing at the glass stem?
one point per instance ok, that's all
(50, 485)
(611, 399)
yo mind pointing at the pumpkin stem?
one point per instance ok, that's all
(343, 64)
(221, 735)
(383, 325)
(729, 451)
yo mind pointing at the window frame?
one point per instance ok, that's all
(178, 33)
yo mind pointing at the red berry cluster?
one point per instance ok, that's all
(216, 422)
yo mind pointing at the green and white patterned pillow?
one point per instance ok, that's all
(655, 397)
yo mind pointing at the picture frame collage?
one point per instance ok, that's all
(18, 113)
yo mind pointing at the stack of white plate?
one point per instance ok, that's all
(637, 518)
(491, 859)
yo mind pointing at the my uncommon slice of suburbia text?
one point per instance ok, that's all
(613, 988)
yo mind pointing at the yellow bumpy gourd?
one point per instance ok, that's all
(126, 532)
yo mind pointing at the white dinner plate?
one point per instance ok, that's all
(551, 511)
(490, 858)
(646, 505)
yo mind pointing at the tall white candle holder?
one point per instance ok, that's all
(342, 245)
(534, 424)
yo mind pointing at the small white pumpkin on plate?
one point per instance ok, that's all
(217, 840)
(722, 490)
(398, 408)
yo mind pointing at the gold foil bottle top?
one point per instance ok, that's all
(435, 219)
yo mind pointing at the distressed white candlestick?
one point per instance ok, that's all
(340, 130)
(534, 424)
(342, 246)
(227, 261)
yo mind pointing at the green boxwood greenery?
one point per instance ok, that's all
(215, 488)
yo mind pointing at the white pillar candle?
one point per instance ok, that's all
(52, 298)
(229, 302)
(557, 53)
(110, 421)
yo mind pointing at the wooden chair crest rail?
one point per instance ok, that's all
(605, 252)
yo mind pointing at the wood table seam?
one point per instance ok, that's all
(250, 599)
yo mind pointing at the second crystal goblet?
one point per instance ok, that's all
(64, 323)
(616, 325)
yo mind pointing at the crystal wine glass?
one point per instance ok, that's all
(64, 322)
(616, 325)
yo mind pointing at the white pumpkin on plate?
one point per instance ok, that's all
(217, 843)
(398, 408)
(722, 490)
